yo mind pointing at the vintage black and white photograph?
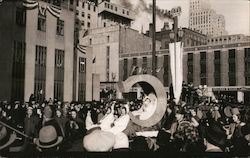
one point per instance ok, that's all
(117, 77)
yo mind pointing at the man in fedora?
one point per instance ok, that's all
(48, 139)
(6, 138)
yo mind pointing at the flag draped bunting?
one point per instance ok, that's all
(81, 48)
(32, 4)
(176, 65)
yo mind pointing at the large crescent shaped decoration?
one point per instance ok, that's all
(125, 86)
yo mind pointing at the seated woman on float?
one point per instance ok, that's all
(148, 107)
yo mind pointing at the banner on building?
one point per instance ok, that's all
(176, 65)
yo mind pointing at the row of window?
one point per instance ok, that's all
(112, 7)
(217, 66)
(83, 23)
(88, 5)
(40, 73)
(42, 25)
(83, 14)
(134, 69)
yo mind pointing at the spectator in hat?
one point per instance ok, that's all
(48, 119)
(30, 127)
(32, 99)
(48, 139)
(215, 137)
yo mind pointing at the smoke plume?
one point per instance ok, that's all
(142, 6)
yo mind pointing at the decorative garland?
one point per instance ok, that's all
(81, 48)
(32, 4)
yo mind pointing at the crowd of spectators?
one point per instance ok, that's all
(198, 123)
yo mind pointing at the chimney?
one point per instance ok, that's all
(150, 30)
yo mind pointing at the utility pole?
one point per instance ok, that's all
(153, 41)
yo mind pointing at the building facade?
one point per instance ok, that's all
(205, 19)
(37, 51)
(190, 37)
(110, 42)
(91, 14)
(220, 66)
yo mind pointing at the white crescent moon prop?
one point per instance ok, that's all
(125, 86)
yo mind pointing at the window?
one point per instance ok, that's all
(165, 66)
(203, 68)
(20, 17)
(108, 38)
(88, 24)
(90, 41)
(59, 75)
(115, 8)
(232, 67)
(88, 16)
(60, 27)
(83, 3)
(123, 11)
(127, 12)
(134, 61)
(40, 72)
(156, 62)
(111, 7)
(89, 7)
(83, 14)
(82, 23)
(107, 62)
(216, 54)
(82, 79)
(202, 55)
(40, 55)
(231, 53)
(41, 22)
(125, 69)
(59, 58)
(247, 52)
(104, 24)
(94, 9)
(77, 2)
(18, 71)
(190, 56)
(77, 12)
(71, 2)
(144, 65)
(82, 64)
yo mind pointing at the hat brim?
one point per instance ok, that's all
(59, 140)
(10, 141)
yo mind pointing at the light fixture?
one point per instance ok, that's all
(171, 34)
(180, 33)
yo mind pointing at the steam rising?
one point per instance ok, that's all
(142, 6)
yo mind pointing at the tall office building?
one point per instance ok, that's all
(37, 53)
(205, 19)
(91, 14)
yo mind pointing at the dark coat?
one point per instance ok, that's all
(30, 125)
(74, 129)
